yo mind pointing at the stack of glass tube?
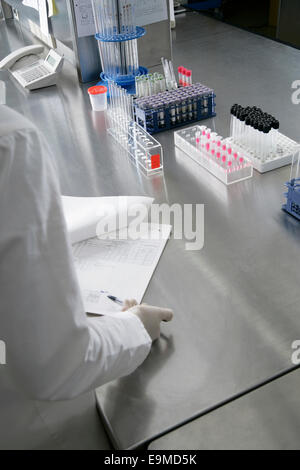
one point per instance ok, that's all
(121, 106)
(150, 84)
(117, 35)
(169, 74)
(254, 129)
(141, 146)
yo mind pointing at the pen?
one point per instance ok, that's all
(115, 299)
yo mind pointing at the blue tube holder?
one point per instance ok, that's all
(122, 37)
(292, 205)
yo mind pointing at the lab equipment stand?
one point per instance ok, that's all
(117, 35)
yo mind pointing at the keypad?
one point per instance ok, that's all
(35, 73)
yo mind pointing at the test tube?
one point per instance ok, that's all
(172, 74)
(275, 135)
(133, 6)
(189, 77)
(184, 77)
(183, 109)
(161, 106)
(233, 119)
(170, 104)
(180, 75)
(190, 108)
(198, 138)
(178, 109)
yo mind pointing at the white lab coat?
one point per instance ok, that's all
(54, 351)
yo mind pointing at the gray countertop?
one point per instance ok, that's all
(265, 419)
(236, 302)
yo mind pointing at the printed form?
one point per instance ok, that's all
(114, 263)
(122, 268)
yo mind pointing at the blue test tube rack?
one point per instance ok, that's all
(292, 205)
(158, 119)
(125, 81)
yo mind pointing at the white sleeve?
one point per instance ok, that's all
(53, 350)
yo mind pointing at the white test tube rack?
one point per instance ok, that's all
(282, 157)
(145, 151)
(189, 140)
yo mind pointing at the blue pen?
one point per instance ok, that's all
(115, 299)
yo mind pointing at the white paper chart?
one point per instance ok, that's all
(151, 11)
(147, 12)
(84, 18)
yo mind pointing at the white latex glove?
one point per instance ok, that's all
(151, 317)
(129, 303)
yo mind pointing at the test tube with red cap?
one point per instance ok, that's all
(180, 75)
(189, 79)
(184, 77)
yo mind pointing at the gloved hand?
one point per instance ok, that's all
(128, 303)
(151, 317)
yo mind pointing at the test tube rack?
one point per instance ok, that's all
(144, 150)
(201, 145)
(175, 108)
(256, 133)
(282, 157)
(117, 35)
(292, 205)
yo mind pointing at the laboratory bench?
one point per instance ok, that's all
(236, 301)
(265, 419)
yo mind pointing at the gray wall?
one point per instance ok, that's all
(59, 25)
(155, 44)
(289, 22)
